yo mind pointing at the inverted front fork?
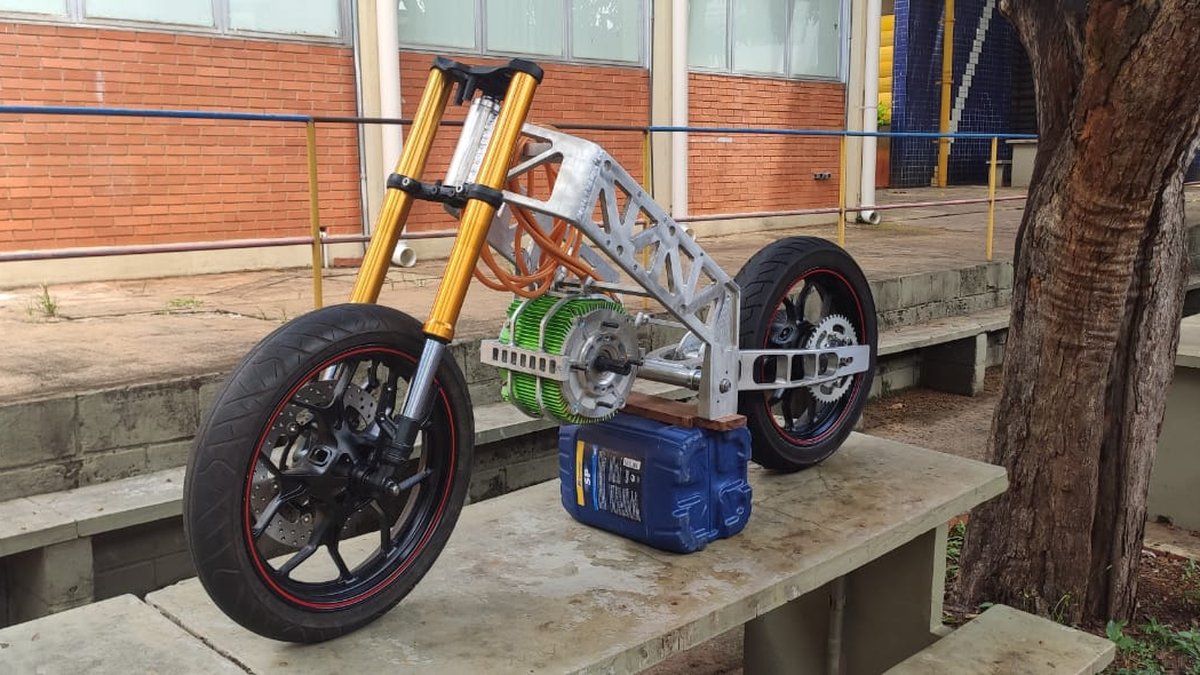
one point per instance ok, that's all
(476, 218)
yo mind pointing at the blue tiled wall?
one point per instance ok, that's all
(916, 93)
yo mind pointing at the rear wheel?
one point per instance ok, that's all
(287, 536)
(804, 293)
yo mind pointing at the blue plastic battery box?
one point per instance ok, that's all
(671, 487)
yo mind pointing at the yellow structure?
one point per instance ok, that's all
(887, 42)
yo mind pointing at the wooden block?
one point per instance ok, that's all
(677, 413)
(726, 423)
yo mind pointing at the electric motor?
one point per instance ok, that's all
(594, 343)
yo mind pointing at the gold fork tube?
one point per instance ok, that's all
(477, 215)
(397, 203)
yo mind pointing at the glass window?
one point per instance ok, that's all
(34, 6)
(816, 37)
(188, 12)
(301, 17)
(525, 26)
(606, 29)
(707, 34)
(438, 23)
(760, 36)
(796, 38)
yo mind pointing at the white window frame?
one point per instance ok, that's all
(76, 16)
(843, 51)
(567, 56)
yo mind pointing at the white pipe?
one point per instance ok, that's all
(388, 39)
(404, 255)
(679, 108)
(870, 112)
(387, 30)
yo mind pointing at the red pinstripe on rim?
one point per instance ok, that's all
(248, 526)
(858, 380)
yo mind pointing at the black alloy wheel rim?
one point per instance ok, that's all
(302, 480)
(798, 414)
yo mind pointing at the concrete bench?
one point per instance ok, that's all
(1003, 640)
(950, 354)
(49, 542)
(524, 588)
(1176, 471)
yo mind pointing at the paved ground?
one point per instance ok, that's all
(106, 334)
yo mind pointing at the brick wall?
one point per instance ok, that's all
(93, 181)
(568, 93)
(739, 173)
(89, 181)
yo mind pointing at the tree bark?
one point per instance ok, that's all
(1101, 270)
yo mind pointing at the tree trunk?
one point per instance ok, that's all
(1101, 269)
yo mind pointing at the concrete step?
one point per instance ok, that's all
(121, 635)
(1004, 640)
(42, 520)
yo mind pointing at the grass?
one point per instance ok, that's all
(43, 303)
(184, 303)
(1150, 649)
(1191, 581)
(954, 544)
(1143, 653)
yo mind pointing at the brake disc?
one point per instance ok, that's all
(293, 524)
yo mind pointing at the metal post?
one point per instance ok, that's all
(943, 165)
(314, 214)
(648, 185)
(991, 219)
(842, 190)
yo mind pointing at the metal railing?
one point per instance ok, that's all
(316, 238)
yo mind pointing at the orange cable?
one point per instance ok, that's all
(560, 247)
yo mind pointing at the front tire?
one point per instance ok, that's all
(804, 293)
(286, 537)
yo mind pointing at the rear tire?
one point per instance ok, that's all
(271, 476)
(804, 292)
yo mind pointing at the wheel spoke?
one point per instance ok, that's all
(802, 303)
(272, 508)
(331, 543)
(269, 465)
(373, 376)
(789, 309)
(314, 542)
(343, 571)
(387, 397)
(789, 420)
(301, 555)
(385, 528)
(813, 403)
(826, 304)
(345, 374)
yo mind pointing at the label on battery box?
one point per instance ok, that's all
(610, 481)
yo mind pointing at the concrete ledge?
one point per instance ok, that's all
(522, 587)
(121, 635)
(939, 331)
(1005, 640)
(41, 536)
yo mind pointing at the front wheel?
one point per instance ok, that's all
(287, 537)
(804, 293)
